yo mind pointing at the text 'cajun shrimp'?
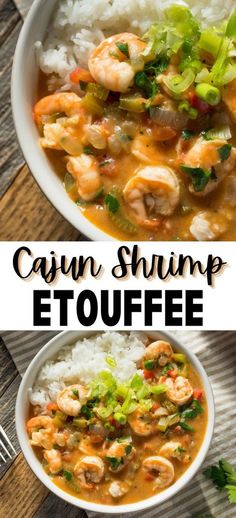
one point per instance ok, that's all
(84, 169)
(89, 471)
(109, 66)
(71, 399)
(161, 468)
(179, 390)
(159, 350)
(152, 192)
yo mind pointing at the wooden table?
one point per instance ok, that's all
(25, 213)
(21, 493)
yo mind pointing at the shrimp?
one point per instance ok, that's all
(142, 422)
(152, 192)
(229, 97)
(110, 67)
(67, 103)
(179, 390)
(71, 398)
(119, 455)
(144, 148)
(89, 471)
(84, 169)
(118, 488)
(161, 351)
(175, 450)
(53, 457)
(209, 225)
(205, 154)
(41, 429)
(161, 468)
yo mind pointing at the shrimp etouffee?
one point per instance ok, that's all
(145, 140)
(111, 442)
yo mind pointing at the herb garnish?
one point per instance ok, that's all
(223, 476)
(224, 152)
(124, 48)
(112, 203)
(200, 177)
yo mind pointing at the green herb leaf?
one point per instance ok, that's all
(67, 475)
(187, 134)
(112, 203)
(124, 48)
(143, 82)
(114, 462)
(217, 475)
(192, 411)
(224, 152)
(88, 150)
(186, 426)
(149, 365)
(168, 367)
(128, 449)
(231, 493)
(200, 177)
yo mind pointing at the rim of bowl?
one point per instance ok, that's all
(27, 134)
(21, 412)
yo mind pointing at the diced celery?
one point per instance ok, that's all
(158, 389)
(98, 91)
(179, 357)
(210, 41)
(120, 418)
(132, 103)
(92, 104)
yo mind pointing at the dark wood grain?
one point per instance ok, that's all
(26, 214)
(21, 493)
(11, 158)
(53, 506)
(8, 370)
(7, 419)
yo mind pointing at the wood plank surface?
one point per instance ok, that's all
(21, 493)
(26, 214)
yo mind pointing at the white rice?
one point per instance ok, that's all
(81, 362)
(80, 25)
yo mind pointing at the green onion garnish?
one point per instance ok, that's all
(208, 93)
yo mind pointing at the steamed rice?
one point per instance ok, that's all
(81, 362)
(80, 25)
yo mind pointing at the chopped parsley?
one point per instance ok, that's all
(192, 411)
(224, 152)
(148, 86)
(124, 48)
(88, 150)
(75, 393)
(112, 203)
(186, 426)
(168, 367)
(149, 365)
(200, 177)
(115, 462)
(187, 134)
(223, 476)
(128, 449)
(67, 475)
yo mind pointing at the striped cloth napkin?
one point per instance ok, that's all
(217, 352)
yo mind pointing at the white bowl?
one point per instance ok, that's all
(22, 407)
(24, 86)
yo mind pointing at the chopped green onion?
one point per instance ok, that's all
(104, 413)
(224, 152)
(222, 132)
(122, 391)
(208, 93)
(231, 26)
(111, 361)
(149, 365)
(193, 113)
(179, 84)
(143, 392)
(120, 418)
(158, 389)
(98, 91)
(210, 42)
(179, 358)
(136, 382)
(132, 103)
